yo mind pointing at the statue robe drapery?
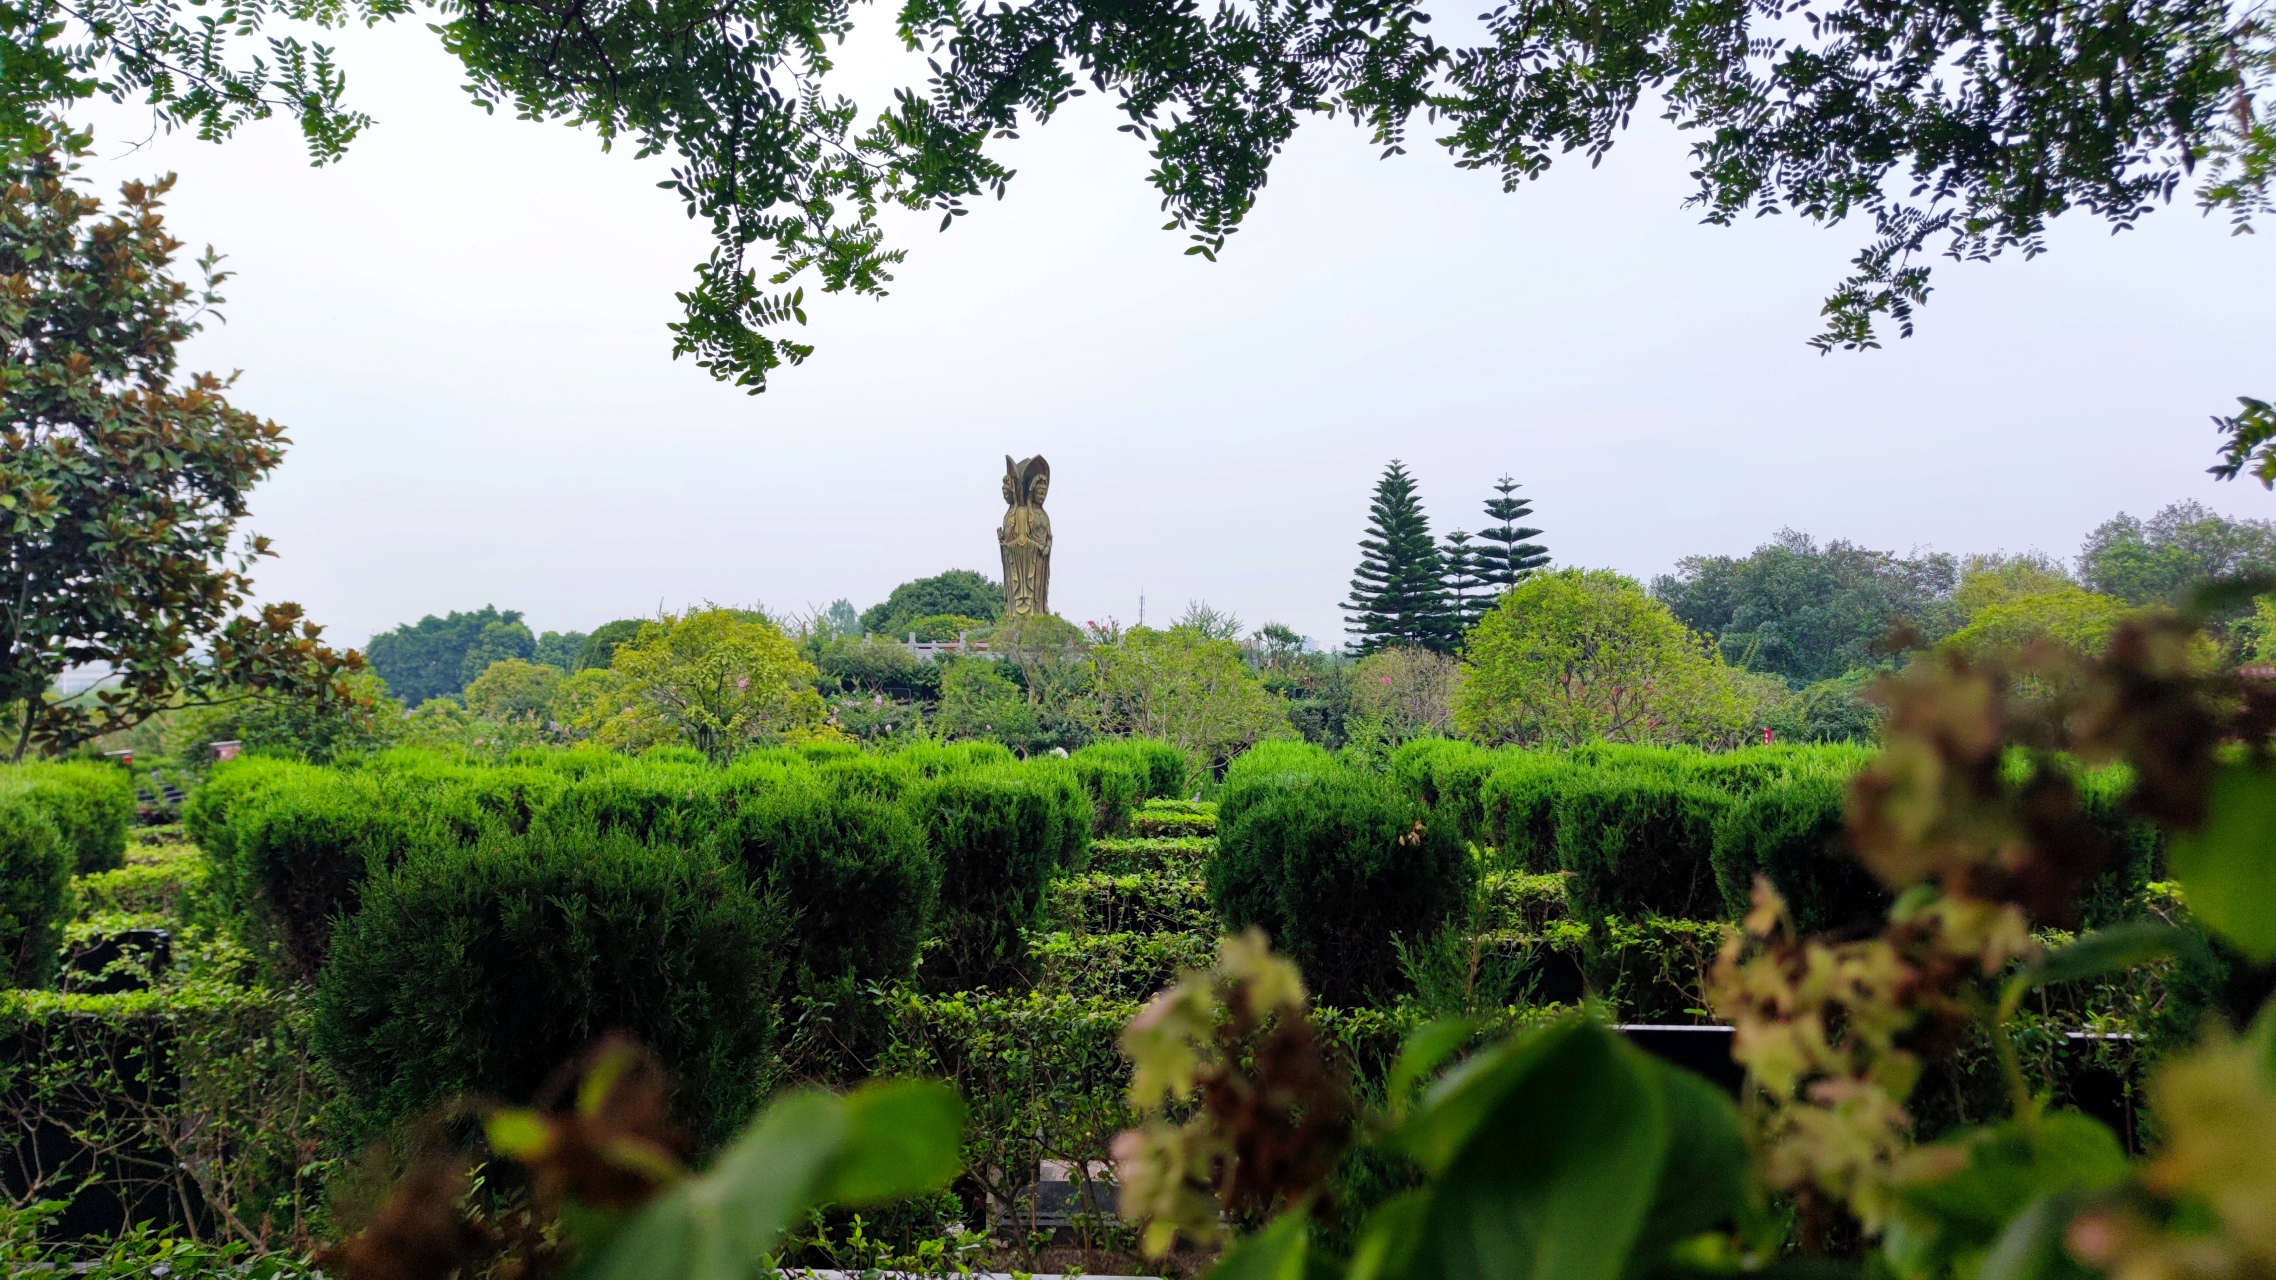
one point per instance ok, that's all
(1025, 537)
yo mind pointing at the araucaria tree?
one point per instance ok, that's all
(1468, 598)
(1398, 592)
(1508, 554)
(121, 489)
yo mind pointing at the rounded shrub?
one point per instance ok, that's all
(1001, 835)
(1112, 785)
(879, 777)
(481, 970)
(466, 798)
(1638, 843)
(666, 801)
(1792, 833)
(1160, 768)
(1335, 864)
(35, 883)
(1517, 806)
(1284, 758)
(207, 812)
(853, 870)
(936, 759)
(1448, 774)
(304, 846)
(91, 805)
(569, 762)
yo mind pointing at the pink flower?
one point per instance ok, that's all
(743, 683)
(1386, 679)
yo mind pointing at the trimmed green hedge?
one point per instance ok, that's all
(1448, 774)
(1160, 768)
(303, 846)
(205, 815)
(35, 882)
(1334, 864)
(1639, 844)
(657, 800)
(1112, 785)
(1001, 834)
(1518, 807)
(482, 970)
(1792, 832)
(854, 871)
(91, 805)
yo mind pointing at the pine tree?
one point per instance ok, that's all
(1398, 593)
(1504, 566)
(1467, 598)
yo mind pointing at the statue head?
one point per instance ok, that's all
(1026, 483)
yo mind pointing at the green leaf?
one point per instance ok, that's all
(1424, 1051)
(903, 1137)
(1702, 1184)
(1961, 1220)
(1279, 1252)
(1548, 1155)
(2228, 870)
(720, 1225)
(2031, 1246)
(1386, 1243)
(2108, 950)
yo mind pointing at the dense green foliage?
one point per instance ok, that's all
(303, 846)
(35, 873)
(92, 805)
(599, 649)
(121, 487)
(2183, 546)
(717, 680)
(1159, 769)
(1808, 612)
(559, 649)
(1335, 865)
(437, 657)
(1573, 656)
(855, 872)
(1185, 687)
(484, 969)
(1001, 835)
(1791, 832)
(957, 593)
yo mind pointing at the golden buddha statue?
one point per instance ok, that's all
(1026, 538)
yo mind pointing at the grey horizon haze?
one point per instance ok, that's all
(461, 325)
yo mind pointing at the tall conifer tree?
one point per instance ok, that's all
(1398, 592)
(1467, 595)
(1515, 558)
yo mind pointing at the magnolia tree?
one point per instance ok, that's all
(121, 486)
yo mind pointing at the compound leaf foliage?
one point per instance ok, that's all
(882, 1142)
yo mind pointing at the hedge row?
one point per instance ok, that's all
(1681, 833)
(468, 927)
(1336, 864)
(55, 819)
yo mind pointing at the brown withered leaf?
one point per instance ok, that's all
(418, 1233)
(615, 1146)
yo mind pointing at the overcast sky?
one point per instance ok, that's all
(462, 324)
